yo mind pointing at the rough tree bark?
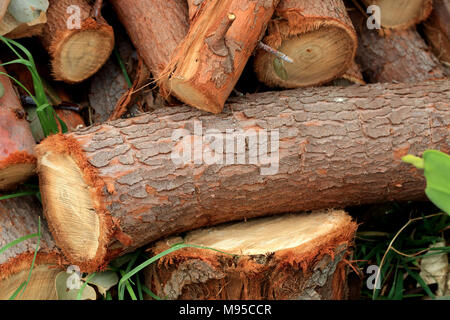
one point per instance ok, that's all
(111, 188)
(402, 56)
(156, 28)
(17, 156)
(437, 30)
(77, 51)
(402, 14)
(18, 218)
(317, 35)
(303, 258)
(209, 62)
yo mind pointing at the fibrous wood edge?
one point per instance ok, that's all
(17, 156)
(316, 35)
(18, 218)
(79, 51)
(402, 14)
(337, 147)
(293, 256)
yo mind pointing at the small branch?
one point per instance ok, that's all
(97, 9)
(216, 42)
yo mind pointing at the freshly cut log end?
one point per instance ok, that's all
(77, 52)
(15, 169)
(142, 192)
(19, 217)
(402, 14)
(208, 63)
(69, 195)
(293, 256)
(17, 156)
(437, 30)
(317, 36)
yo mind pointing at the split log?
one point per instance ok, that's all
(317, 35)
(111, 188)
(156, 28)
(437, 30)
(402, 14)
(209, 62)
(18, 218)
(295, 256)
(77, 50)
(17, 156)
(403, 56)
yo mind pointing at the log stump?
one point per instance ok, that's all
(18, 218)
(317, 35)
(295, 256)
(111, 188)
(76, 51)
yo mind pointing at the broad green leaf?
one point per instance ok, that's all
(104, 281)
(64, 293)
(436, 167)
(437, 173)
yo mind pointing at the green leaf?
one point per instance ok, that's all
(437, 173)
(2, 90)
(64, 293)
(419, 163)
(104, 281)
(436, 167)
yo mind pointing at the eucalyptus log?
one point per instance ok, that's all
(210, 60)
(402, 14)
(78, 42)
(19, 218)
(317, 35)
(156, 28)
(17, 156)
(437, 30)
(401, 56)
(111, 188)
(287, 257)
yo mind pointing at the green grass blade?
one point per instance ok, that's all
(80, 292)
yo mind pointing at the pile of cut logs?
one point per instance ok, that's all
(370, 85)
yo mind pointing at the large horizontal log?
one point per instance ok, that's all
(292, 256)
(111, 188)
(17, 157)
(19, 218)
